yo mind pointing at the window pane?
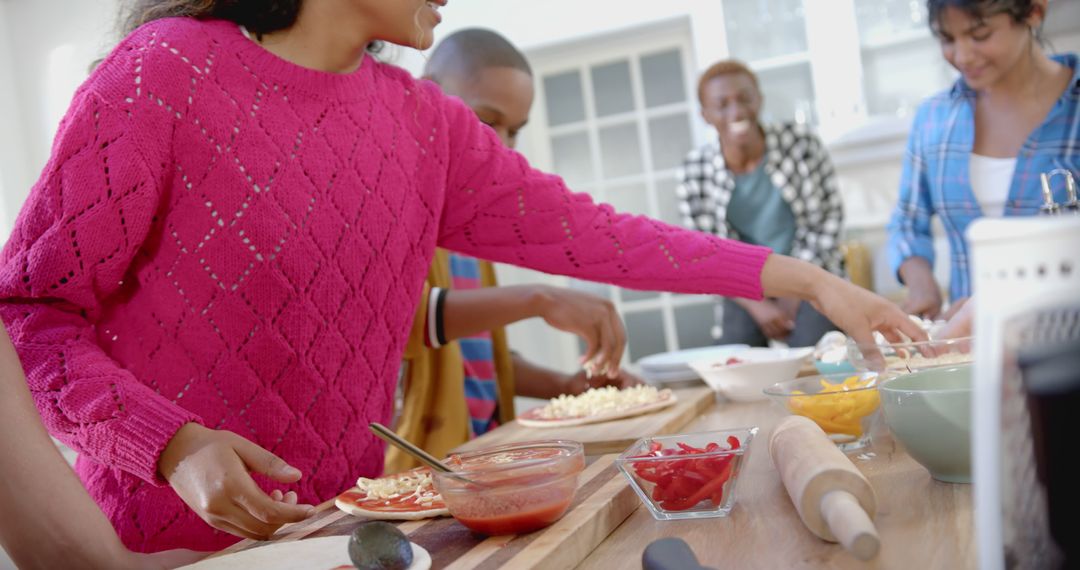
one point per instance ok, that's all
(599, 289)
(662, 76)
(758, 29)
(669, 140)
(668, 201)
(565, 101)
(881, 20)
(612, 89)
(629, 199)
(572, 158)
(620, 150)
(789, 94)
(897, 78)
(693, 324)
(645, 333)
(631, 295)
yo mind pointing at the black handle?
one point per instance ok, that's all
(670, 554)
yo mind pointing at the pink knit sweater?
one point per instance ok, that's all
(223, 237)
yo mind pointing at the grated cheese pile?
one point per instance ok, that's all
(917, 361)
(415, 486)
(597, 401)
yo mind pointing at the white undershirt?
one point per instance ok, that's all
(990, 181)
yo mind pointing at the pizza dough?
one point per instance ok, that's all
(600, 411)
(405, 496)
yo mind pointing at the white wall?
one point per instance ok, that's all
(532, 25)
(46, 47)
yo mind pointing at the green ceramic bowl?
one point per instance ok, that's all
(930, 413)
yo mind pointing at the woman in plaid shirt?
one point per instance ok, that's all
(978, 148)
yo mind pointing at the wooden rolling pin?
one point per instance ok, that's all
(834, 500)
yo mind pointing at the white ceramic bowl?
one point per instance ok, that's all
(757, 369)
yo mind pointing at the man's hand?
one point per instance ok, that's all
(209, 470)
(580, 382)
(592, 318)
(774, 321)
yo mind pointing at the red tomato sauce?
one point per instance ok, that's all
(518, 522)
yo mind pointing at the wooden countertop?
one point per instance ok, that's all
(923, 523)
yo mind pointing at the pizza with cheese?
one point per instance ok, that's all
(598, 405)
(406, 496)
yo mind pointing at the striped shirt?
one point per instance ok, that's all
(936, 175)
(481, 389)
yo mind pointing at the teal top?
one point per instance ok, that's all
(759, 213)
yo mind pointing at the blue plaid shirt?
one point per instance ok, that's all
(935, 178)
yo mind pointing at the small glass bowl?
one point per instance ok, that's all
(846, 406)
(911, 356)
(648, 461)
(514, 488)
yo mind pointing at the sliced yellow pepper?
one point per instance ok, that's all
(838, 408)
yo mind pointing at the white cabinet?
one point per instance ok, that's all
(845, 64)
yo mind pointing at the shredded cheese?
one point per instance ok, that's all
(597, 401)
(414, 486)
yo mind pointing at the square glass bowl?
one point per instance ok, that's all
(687, 476)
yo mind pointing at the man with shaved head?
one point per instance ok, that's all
(459, 377)
(489, 74)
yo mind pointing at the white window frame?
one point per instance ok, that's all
(534, 142)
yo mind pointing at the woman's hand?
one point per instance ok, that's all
(960, 322)
(923, 294)
(859, 312)
(209, 470)
(854, 310)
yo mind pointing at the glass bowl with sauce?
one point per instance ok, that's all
(514, 488)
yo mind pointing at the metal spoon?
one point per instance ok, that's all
(386, 434)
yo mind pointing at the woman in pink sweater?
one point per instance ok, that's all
(217, 270)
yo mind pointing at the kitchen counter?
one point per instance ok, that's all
(923, 523)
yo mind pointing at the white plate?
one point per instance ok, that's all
(758, 369)
(680, 360)
(666, 377)
(316, 553)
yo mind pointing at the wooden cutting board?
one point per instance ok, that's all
(603, 501)
(608, 437)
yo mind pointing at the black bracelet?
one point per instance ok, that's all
(440, 330)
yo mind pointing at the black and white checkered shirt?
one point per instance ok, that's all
(798, 165)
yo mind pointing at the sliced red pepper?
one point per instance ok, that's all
(706, 491)
(718, 497)
(690, 448)
(681, 480)
(650, 475)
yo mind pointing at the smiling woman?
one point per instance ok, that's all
(978, 148)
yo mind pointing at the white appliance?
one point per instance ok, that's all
(1026, 276)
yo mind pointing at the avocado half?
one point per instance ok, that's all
(378, 545)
